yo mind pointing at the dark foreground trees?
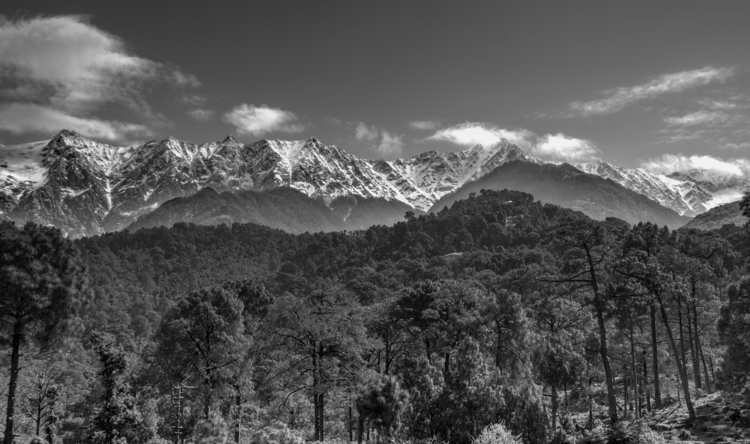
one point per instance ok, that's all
(43, 287)
(492, 311)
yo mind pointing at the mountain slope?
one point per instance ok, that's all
(283, 208)
(729, 213)
(688, 193)
(569, 187)
(85, 187)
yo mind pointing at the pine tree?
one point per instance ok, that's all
(43, 286)
(119, 420)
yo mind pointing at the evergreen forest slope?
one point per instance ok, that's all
(569, 187)
(729, 213)
(493, 310)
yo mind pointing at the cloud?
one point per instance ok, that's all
(699, 118)
(708, 125)
(201, 114)
(670, 163)
(79, 64)
(68, 67)
(194, 99)
(391, 145)
(257, 121)
(561, 147)
(471, 134)
(737, 146)
(724, 105)
(19, 118)
(183, 79)
(364, 132)
(621, 97)
(424, 124)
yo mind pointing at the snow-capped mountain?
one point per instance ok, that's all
(86, 187)
(689, 193)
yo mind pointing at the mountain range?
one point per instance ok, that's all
(87, 187)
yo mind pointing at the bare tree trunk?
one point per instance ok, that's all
(15, 355)
(655, 352)
(682, 354)
(625, 392)
(680, 367)
(554, 409)
(636, 398)
(699, 347)
(605, 361)
(207, 378)
(321, 398)
(693, 353)
(351, 421)
(360, 428)
(692, 337)
(316, 390)
(703, 361)
(645, 381)
(238, 402)
(591, 407)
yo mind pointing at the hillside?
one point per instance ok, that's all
(717, 217)
(569, 187)
(283, 208)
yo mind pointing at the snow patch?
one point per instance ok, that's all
(724, 196)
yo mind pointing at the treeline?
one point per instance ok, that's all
(499, 309)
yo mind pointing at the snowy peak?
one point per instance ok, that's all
(688, 193)
(87, 187)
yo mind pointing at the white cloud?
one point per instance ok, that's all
(80, 65)
(202, 114)
(670, 163)
(698, 118)
(424, 124)
(71, 69)
(621, 97)
(19, 118)
(391, 145)
(184, 79)
(561, 147)
(725, 105)
(364, 132)
(260, 120)
(471, 134)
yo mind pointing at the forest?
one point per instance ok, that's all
(498, 320)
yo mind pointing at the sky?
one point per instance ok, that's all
(664, 85)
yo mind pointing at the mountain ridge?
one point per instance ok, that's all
(569, 187)
(87, 187)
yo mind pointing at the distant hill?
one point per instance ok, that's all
(283, 208)
(719, 216)
(569, 187)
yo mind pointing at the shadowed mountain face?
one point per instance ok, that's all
(282, 208)
(569, 187)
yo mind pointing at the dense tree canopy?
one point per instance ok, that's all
(498, 309)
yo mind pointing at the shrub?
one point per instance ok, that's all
(648, 436)
(496, 434)
(278, 433)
